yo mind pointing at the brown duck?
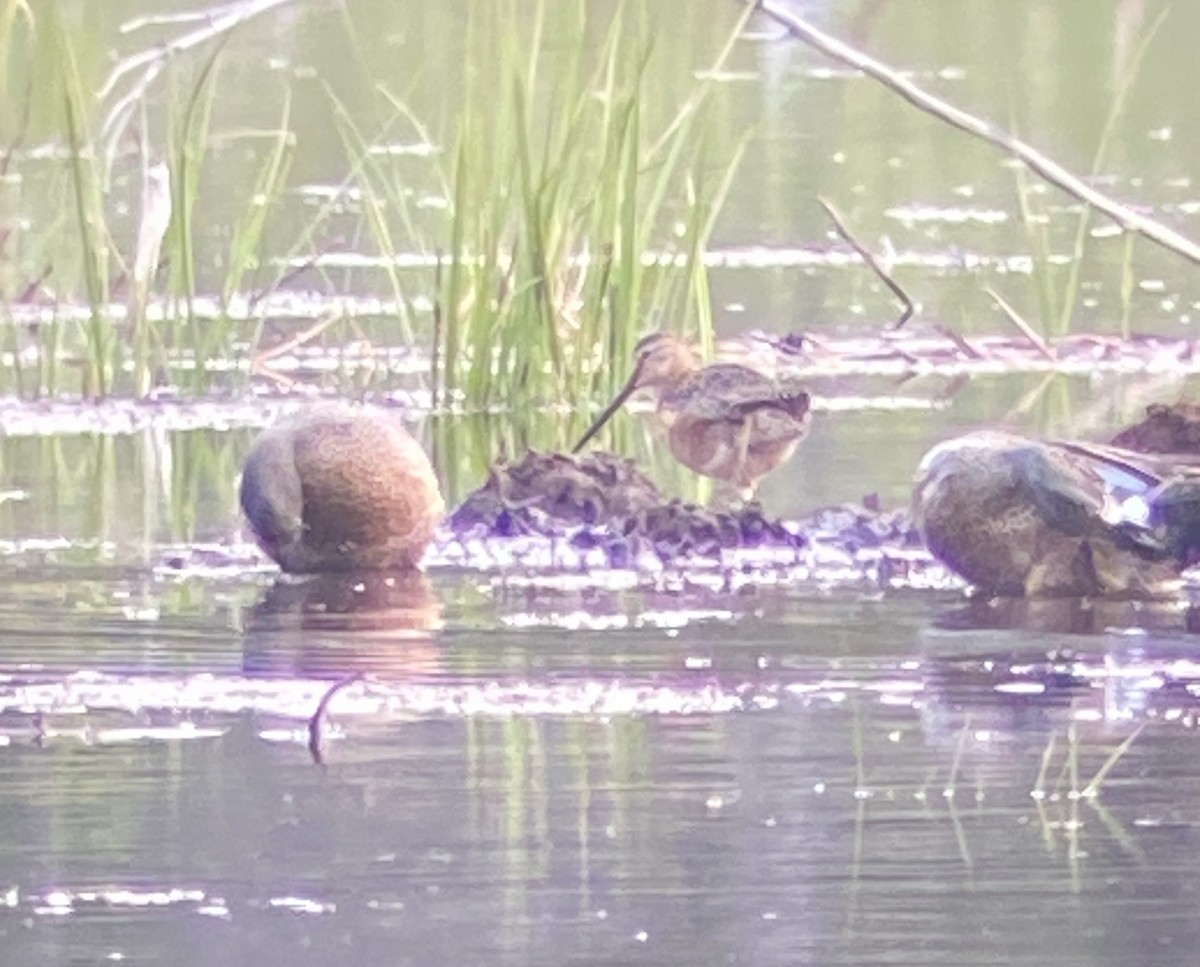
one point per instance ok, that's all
(340, 488)
(1016, 516)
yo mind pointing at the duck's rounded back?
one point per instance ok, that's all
(340, 488)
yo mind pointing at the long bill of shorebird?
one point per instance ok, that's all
(618, 401)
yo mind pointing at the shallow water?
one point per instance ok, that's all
(780, 776)
(522, 765)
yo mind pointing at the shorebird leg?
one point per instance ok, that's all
(742, 451)
(728, 492)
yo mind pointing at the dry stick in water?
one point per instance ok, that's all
(153, 61)
(964, 347)
(1047, 167)
(872, 263)
(314, 723)
(288, 276)
(260, 363)
(1026, 329)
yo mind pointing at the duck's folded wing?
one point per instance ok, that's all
(1150, 500)
(1064, 492)
(1133, 466)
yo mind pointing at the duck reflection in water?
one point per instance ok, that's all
(330, 625)
(1071, 615)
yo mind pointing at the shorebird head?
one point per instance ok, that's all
(661, 359)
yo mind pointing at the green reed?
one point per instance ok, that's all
(187, 140)
(572, 228)
(87, 185)
(17, 23)
(573, 221)
(158, 331)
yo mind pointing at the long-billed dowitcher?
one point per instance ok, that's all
(724, 420)
(338, 488)
(1025, 517)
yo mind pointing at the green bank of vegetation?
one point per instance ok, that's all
(570, 222)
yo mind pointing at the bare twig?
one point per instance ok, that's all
(152, 61)
(261, 360)
(872, 263)
(287, 277)
(314, 723)
(1047, 167)
(1025, 328)
(228, 18)
(27, 293)
(960, 342)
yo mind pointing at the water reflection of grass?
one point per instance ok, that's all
(555, 193)
(124, 492)
(155, 487)
(1069, 779)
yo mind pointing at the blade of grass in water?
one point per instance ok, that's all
(246, 246)
(375, 203)
(89, 210)
(1115, 112)
(189, 139)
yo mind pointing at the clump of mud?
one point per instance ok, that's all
(602, 501)
(556, 489)
(1166, 428)
(862, 526)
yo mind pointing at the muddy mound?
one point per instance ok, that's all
(556, 490)
(600, 500)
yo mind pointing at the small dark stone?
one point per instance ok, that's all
(619, 553)
(586, 539)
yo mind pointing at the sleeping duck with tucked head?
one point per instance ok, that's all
(340, 488)
(1015, 516)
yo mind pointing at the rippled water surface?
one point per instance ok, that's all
(523, 772)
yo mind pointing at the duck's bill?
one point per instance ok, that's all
(616, 404)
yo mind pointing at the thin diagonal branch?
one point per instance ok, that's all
(1048, 168)
(872, 263)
